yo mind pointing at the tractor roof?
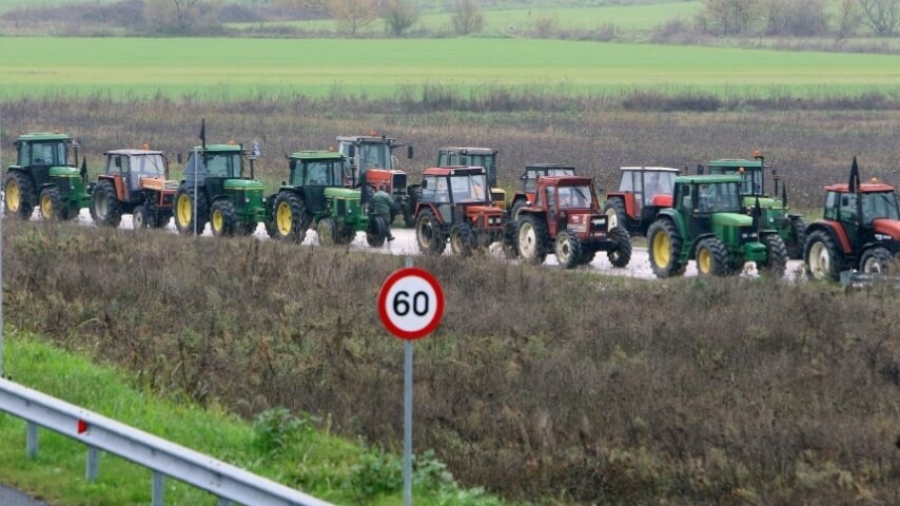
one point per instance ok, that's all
(565, 180)
(133, 152)
(864, 188)
(547, 166)
(44, 136)
(651, 169)
(370, 139)
(736, 163)
(707, 179)
(454, 171)
(221, 147)
(316, 155)
(470, 150)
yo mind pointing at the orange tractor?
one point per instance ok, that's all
(135, 182)
(643, 192)
(860, 230)
(455, 204)
(371, 160)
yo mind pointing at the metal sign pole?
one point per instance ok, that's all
(194, 206)
(2, 217)
(407, 414)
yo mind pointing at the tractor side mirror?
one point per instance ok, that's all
(178, 157)
(700, 169)
(284, 183)
(409, 152)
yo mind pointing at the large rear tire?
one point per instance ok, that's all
(377, 233)
(664, 245)
(619, 256)
(51, 204)
(533, 238)
(429, 234)
(106, 210)
(517, 208)
(776, 257)
(616, 214)
(712, 258)
(876, 260)
(568, 250)
(19, 196)
(796, 239)
(291, 218)
(223, 219)
(822, 258)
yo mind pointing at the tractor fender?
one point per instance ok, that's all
(793, 217)
(117, 181)
(835, 230)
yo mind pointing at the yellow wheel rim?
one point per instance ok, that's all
(283, 218)
(661, 249)
(217, 220)
(46, 207)
(184, 209)
(13, 196)
(704, 261)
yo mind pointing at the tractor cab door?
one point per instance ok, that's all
(117, 166)
(848, 215)
(215, 187)
(553, 214)
(697, 219)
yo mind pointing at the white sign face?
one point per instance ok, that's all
(411, 303)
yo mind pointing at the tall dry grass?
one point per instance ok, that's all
(560, 387)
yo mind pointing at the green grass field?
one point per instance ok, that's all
(237, 68)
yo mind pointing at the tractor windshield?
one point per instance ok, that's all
(148, 165)
(223, 164)
(321, 173)
(374, 156)
(658, 183)
(752, 183)
(486, 161)
(879, 205)
(574, 197)
(469, 188)
(718, 198)
(531, 176)
(43, 153)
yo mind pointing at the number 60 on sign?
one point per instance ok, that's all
(411, 303)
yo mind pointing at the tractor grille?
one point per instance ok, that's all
(341, 207)
(398, 184)
(170, 185)
(64, 184)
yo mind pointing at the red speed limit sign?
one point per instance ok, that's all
(411, 303)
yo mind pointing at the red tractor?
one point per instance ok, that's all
(371, 158)
(455, 204)
(135, 182)
(860, 230)
(643, 192)
(529, 182)
(564, 219)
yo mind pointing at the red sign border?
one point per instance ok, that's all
(382, 302)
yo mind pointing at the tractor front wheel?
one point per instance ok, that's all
(568, 250)
(462, 239)
(19, 196)
(876, 261)
(51, 204)
(620, 255)
(106, 210)
(326, 231)
(533, 238)
(377, 233)
(140, 218)
(223, 218)
(510, 238)
(664, 243)
(185, 202)
(796, 239)
(776, 256)
(616, 214)
(291, 218)
(822, 257)
(712, 258)
(429, 234)
(517, 208)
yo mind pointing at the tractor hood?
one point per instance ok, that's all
(342, 193)
(732, 220)
(483, 210)
(243, 184)
(887, 227)
(159, 184)
(764, 202)
(63, 171)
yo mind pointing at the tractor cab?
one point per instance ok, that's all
(529, 183)
(138, 169)
(568, 202)
(134, 181)
(480, 157)
(751, 172)
(371, 159)
(313, 172)
(642, 193)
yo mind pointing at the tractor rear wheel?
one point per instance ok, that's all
(223, 218)
(568, 250)
(377, 232)
(105, 208)
(291, 218)
(876, 261)
(664, 245)
(415, 195)
(776, 256)
(616, 214)
(19, 196)
(51, 204)
(462, 239)
(511, 238)
(823, 259)
(326, 232)
(185, 203)
(621, 254)
(796, 239)
(712, 258)
(533, 238)
(140, 218)
(516, 208)
(429, 234)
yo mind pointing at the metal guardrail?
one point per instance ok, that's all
(227, 482)
(858, 280)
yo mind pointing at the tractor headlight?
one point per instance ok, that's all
(598, 222)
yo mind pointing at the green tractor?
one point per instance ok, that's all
(231, 203)
(775, 210)
(43, 177)
(315, 196)
(708, 223)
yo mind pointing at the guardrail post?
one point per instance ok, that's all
(93, 464)
(159, 489)
(31, 440)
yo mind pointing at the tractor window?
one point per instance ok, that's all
(146, 165)
(486, 161)
(324, 173)
(831, 199)
(560, 172)
(469, 188)
(435, 190)
(443, 160)
(847, 208)
(530, 179)
(223, 164)
(48, 153)
(627, 182)
(574, 197)
(719, 198)
(24, 154)
(658, 183)
(879, 205)
(374, 156)
(752, 182)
